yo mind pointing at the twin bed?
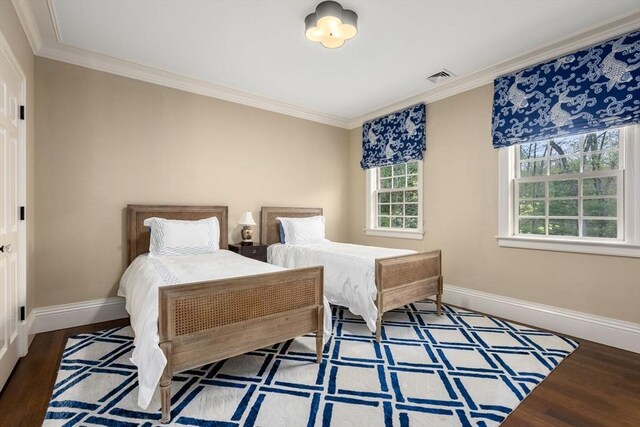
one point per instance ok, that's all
(191, 310)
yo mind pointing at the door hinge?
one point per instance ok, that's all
(22, 112)
(22, 213)
(23, 312)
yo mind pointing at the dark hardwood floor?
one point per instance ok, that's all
(595, 386)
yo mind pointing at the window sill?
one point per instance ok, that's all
(576, 246)
(397, 234)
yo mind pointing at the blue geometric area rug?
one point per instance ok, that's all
(460, 369)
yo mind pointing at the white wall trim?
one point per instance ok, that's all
(587, 37)
(603, 330)
(62, 316)
(54, 49)
(25, 15)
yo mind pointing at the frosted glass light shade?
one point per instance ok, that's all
(330, 25)
(246, 219)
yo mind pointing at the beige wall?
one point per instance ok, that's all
(12, 31)
(461, 218)
(105, 141)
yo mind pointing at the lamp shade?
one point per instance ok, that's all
(246, 219)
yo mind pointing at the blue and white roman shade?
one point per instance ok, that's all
(396, 138)
(589, 90)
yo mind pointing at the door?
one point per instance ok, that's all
(10, 140)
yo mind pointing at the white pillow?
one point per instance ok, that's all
(174, 237)
(300, 231)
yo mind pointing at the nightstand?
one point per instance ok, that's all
(255, 251)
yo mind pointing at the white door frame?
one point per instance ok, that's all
(23, 327)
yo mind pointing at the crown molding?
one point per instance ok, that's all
(25, 15)
(582, 39)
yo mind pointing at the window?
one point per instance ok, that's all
(575, 193)
(394, 200)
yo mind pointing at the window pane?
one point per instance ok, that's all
(412, 167)
(569, 164)
(397, 222)
(397, 197)
(564, 188)
(531, 226)
(600, 207)
(399, 182)
(531, 190)
(600, 228)
(385, 171)
(566, 145)
(532, 208)
(411, 210)
(383, 221)
(607, 140)
(397, 209)
(563, 227)
(411, 222)
(385, 183)
(601, 161)
(535, 150)
(533, 168)
(383, 197)
(412, 196)
(412, 181)
(384, 210)
(606, 186)
(400, 169)
(563, 207)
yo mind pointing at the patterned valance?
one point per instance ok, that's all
(588, 90)
(396, 138)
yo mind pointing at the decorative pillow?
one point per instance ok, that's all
(282, 236)
(300, 231)
(175, 237)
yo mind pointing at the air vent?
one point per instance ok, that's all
(440, 76)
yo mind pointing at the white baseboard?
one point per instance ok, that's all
(56, 317)
(603, 330)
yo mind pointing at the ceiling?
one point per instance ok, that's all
(255, 52)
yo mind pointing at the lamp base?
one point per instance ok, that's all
(246, 233)
(246, 243)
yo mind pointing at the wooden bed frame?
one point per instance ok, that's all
(400, 280)
(205, 322)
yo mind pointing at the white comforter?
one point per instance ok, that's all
(140, 283)
(349, 271)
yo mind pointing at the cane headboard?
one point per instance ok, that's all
(270, 228)
(138, 235)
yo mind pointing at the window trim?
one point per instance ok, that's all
(372, 230)
(627, 246)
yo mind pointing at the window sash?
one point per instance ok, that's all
(373, 205)
(580, 177)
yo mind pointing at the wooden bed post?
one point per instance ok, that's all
(320, 334)
(439, 295)
(165, 384)
(320, 319)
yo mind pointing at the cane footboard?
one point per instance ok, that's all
(406, 279)
(210, 321)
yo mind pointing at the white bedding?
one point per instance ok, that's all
(140, 283)
(349, 271)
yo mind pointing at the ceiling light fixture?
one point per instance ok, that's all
(330, 25)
